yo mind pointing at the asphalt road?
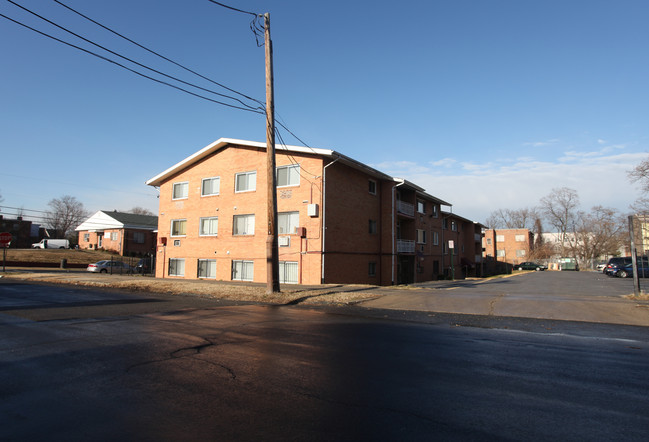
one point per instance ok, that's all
(572, 296)
(79, 364)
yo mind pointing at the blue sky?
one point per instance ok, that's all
(486, 104)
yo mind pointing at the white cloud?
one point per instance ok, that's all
(476, 189)
(541, 143)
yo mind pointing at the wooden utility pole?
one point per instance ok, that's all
(272, 248)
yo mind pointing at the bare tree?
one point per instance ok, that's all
(64, 215)
(640, 173)
(137, 210)
(512, 219)
(560, 208)
(601, 232)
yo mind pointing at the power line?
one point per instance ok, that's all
(256, 27)
(129, 69)
(127, 58)
(159, 55)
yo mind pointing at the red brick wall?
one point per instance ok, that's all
(225, 247)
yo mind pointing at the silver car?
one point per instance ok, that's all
(107, 266)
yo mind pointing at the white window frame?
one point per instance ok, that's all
(212, 180)
(421, 236)
(174, 221)
(520, 253)
(249, 228)
(519, 238)
(114, 236)
(421, 207)
(500, 238)
(201, 232)
(178, 267)
(285, 221)
(247, 270)
(289, 272)
(209, 265)
(252, 173)
(185, 185)
(500, 253)
(290, 175)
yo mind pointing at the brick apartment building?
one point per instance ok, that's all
(339, 221)
(126, 234)
(512, 246)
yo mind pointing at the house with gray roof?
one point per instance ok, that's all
(127, 234)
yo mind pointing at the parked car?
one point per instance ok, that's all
(615, 264)
(107, 266)
(601, 266)
(627, 271)
(530, 266)
(144, 266)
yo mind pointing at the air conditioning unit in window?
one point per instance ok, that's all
(284, 241)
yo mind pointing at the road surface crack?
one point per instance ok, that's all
(492, 304)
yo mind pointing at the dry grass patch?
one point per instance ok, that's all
(337, 294)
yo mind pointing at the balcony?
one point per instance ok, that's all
(405, 208)
(405, 246)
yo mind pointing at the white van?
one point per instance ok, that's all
(52, 244)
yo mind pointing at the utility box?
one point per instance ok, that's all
(312, 210)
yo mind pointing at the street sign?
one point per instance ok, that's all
(5, 239)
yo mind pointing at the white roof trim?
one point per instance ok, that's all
(219, 144)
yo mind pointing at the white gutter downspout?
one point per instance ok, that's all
(324, 225)
(394, 241)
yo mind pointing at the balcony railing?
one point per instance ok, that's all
(405, 208)
(405, 246)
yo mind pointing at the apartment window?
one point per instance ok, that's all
(288, 175)
(421, 236)
(243, 225)
(287, 222)
(488, 241)
(500, 253)
(210, 186)
(373, 228)
(435, 210)
(86, 237)
(500, 238)
(245, 182)
(114, 236)
(421, 206)
(288, 272)
(176, 267)
(453, 226)
(180, 190)
(209, 226)
(138, 237)
(207, 268)
(178, 227)
(242, 270)
(444, 223)
(435, 238)
(371, 269)
(520, 253)
(372, 187)
(520, 238)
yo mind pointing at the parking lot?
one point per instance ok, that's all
(575, 296)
